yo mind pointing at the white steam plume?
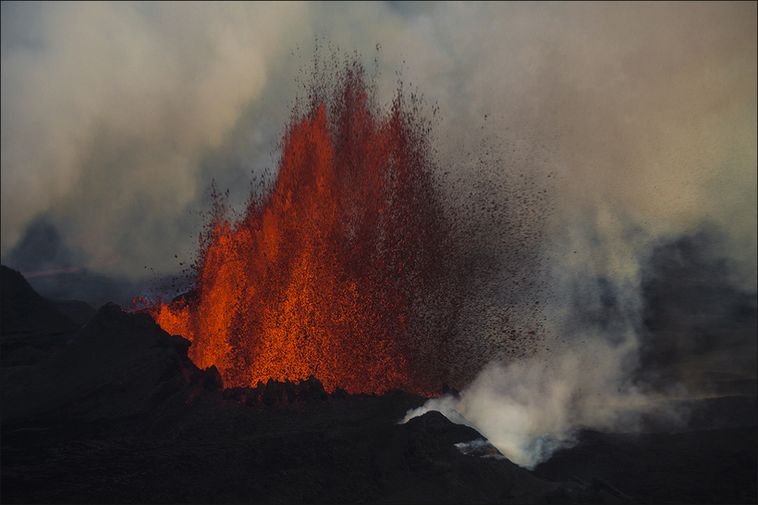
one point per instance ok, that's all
(584, 377)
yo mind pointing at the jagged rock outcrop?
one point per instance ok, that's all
(23, 311)
(117, 365)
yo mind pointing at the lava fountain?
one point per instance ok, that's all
(342, 270)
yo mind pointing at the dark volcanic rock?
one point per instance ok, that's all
(344, 450)
(24, 311)
(273, 392)
(76, 310)
(31, 327)
(115, 366)
(714, 466)
(116, 412)
(120, 414)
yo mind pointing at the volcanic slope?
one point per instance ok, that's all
(117, 413)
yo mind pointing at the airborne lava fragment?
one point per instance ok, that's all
(338, 271)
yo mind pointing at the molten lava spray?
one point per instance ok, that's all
(344, 269)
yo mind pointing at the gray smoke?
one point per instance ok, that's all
(115, 116)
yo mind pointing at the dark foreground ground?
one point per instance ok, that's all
(106, 407)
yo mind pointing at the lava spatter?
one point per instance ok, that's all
(339, 268)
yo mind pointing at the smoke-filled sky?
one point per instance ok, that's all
(116, 116)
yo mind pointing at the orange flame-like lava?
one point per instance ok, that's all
(332, 272)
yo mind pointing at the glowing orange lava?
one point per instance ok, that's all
(334, 272)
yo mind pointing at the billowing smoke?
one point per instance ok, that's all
(116, 116)
(109, 109)
(532, 407)
(583, 376)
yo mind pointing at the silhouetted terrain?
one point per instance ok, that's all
(108, 408)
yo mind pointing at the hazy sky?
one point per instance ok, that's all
(115, 116)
